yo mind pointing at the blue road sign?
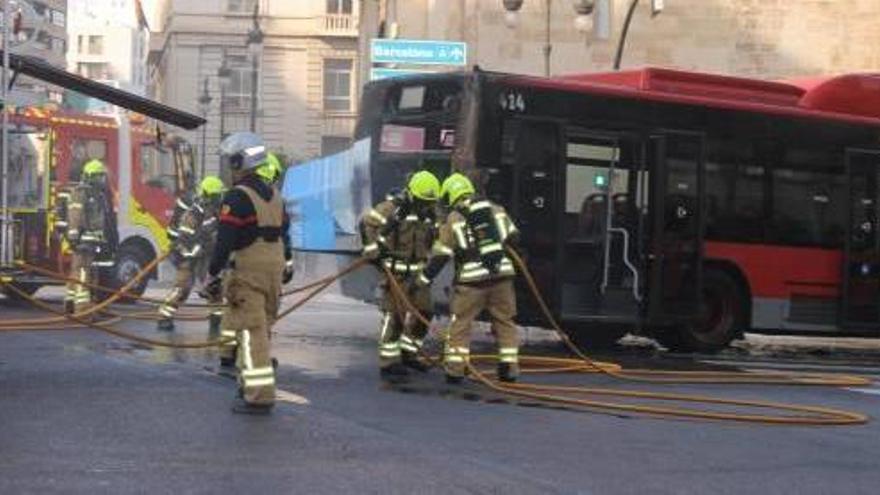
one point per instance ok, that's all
(419, 52)
(382, 73)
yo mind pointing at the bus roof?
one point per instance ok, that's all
(852, 98)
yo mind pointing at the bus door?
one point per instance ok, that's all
(861, 273)
(600, 268)
(676, 240)
(532, 150)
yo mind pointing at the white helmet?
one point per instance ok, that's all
(242, 151)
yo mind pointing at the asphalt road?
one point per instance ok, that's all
(83, 413)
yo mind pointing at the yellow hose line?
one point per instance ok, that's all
(813, 415)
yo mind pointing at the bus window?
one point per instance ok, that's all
(157, 168)
(587, 183)
(735, 192)
(84, 150)
(809, 199)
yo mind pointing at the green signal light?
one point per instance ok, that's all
(599, 181)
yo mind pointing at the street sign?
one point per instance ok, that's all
(382, 73)
(390, 51)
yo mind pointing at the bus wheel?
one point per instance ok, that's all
(130, 260)
(590, 337)
(723, 317)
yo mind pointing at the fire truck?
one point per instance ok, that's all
(148, 167)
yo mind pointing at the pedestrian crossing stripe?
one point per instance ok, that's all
(291, 398)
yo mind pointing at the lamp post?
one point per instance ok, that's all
(255, 51)
(224, 76)
(583, 9)
(656, 8)
(205, 106)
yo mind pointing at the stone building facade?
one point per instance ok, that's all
(761, 38)
(306, 75)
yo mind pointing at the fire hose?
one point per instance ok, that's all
(566, 395)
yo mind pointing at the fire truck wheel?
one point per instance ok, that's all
(29, 289)
(595, 336)
(723, 317)
(130, 260)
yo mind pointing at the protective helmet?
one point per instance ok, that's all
(424, 185)
(242, 151)
(93, 168)
(271, 170)
(211, 186)
(455, 187)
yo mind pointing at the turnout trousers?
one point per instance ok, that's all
(78, 295)
(188, 270)
(400, 332)
(498, 299)
(252, 292)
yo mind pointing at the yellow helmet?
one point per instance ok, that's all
(92, 168)
(211, 186)
(271, 170)
(455, 186)
(425, 186)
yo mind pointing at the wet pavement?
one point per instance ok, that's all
(81, 412)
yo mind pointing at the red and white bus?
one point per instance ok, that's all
(687, 206)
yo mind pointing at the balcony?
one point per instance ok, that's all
(338, 25)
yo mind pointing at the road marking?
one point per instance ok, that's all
(869, 391)
(290, 397)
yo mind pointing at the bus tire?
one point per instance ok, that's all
(723, 317)
(130, 260)
(590, 337)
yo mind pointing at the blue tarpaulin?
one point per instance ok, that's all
(326, 197)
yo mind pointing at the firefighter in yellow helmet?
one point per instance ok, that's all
(474, 235)
(252, 245)
(398, 234)
(272, 171)
(91, 232)
(192, 248)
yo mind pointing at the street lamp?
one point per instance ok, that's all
(656, 8)
(255, 51)
(583, 21)
(224, 76)
(205, 106)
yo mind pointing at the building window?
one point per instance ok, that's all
(58, 45)
(238, 95)
(337, 85)
(96, 45)
(92, 70)
(339, 6)
(58, 18)
(240, 5)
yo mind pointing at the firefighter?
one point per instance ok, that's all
(183, 205)
(192, 249)
(89, 232)
(398, 233)
(475, 234)
(252, 245)
(272, 171)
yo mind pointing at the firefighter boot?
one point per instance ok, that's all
(506, 373)
(165, 325)
(242, 407)
(454, 380)
(214, 324)
(69, 307)
(411, 360)
(394, 373)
